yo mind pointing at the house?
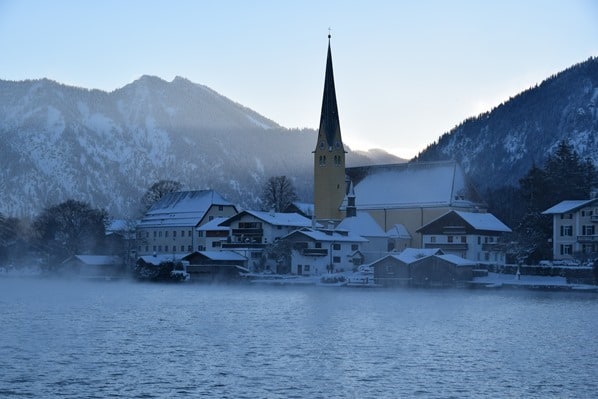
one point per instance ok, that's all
(412, 194)
(211, 235)
(363, 224)
(252, 231)
(470, 235)
(169, 226)
(305, 209)
(315, 252)
(429, 267)
(215, 265)
(574, 229)
(94, 266)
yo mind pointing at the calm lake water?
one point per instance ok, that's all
(125, 339)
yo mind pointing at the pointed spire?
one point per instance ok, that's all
(329, 121)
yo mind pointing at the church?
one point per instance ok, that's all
(408, 194)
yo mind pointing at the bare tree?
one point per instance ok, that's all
(157, 191)
(278, 194)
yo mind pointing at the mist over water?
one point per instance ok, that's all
(97, 339)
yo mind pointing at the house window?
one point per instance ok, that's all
(566, 231)
(146, 248)
(463, 239)
(450, 238)
(189, 248)
(159, 248)
(154, 248)
(174, 233)
(200, 233)
(160, 233)
(318, 245)
(155, 234)
(306, 268)
(336, 259)
(479, 240)
(215, 244)
(336, 247)
(433, 239)
(182, 248)
(147, 234)
(354, 247)
(220, 208)
(166, 234)
(566, 216)
(566, 249)
(182, 233)
(166, 248)
(587, 230)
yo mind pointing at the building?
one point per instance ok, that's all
(252, 231)
(412, 194)
(362, 224)
(473, 236)
(418, 267)
(211, 235)
(215, 266)
(329, 156)
(574, 231)
(399, 238)
(316, 252)
(169, 226)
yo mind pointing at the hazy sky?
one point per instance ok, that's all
(406, 72)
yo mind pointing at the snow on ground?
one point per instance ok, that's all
(496, 280)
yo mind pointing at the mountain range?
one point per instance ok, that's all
(107, 148)
(499, 147)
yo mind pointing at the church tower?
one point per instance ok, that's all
(329, 155)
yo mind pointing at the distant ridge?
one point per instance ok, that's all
(497, 148)
(60, 142)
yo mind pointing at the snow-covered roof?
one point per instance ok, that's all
(410, 255)
(213, 225)
(483, 221)
(223, 255)
(157, 259)
(327, 235)
(569, 206)
(182, 208)
(457, 260)
(398, 231)
(98, 260)
(362, 224)
(410, 184)
(274, 218)
(306, 208)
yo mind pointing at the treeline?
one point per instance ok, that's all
(564, 176)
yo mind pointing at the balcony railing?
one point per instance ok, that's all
(233, 245)
(314, 252)
(494, 247)
(456, 246)
(592, 238)
(248, 232)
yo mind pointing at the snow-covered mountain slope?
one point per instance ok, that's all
(59, 142)
(497, 148)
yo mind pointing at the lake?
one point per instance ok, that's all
(79, 339)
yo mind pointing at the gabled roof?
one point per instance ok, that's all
(407, 185)
(327, 235)
(273, 218)
(213, 225)
(362, 224)
(182, 208)
(398, 231)
(220, 255)
(569, 206)
(474, 220)
(305, 208)
(457, 260)
(410, 255)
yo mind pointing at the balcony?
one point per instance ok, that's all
(236, 245)
(314, 252)
(248, 232)
(592, 238)
(456, 246)
(494, 247)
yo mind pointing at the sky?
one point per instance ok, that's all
(405, 71)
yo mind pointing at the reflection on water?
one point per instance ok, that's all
(83, 339)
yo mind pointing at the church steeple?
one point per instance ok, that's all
(329, 121)
(329, 155)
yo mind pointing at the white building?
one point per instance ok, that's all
(470, 235)
(316, 252)
(364, 225)
(169, 226)
(574, 231)
(212, 235)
